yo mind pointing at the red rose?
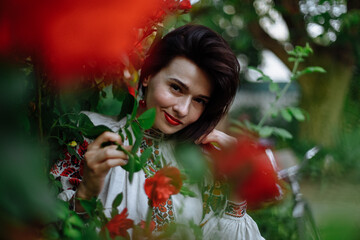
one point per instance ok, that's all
(119, 225)
(249, 171)
(162, 185)
(185, 5)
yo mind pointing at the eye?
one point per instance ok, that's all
(174, 87)
(201, 101)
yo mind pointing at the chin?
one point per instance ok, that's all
(166, 129)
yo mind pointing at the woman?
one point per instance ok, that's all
(190, 77)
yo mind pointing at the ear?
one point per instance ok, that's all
(145, 83)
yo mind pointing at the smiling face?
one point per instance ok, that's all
(179, 93)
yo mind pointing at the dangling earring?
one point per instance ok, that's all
(142, 103)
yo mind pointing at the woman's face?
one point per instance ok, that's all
(179, 93)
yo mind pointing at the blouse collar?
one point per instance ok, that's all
(155, 134)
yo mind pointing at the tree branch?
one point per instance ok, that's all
(268, 42)
(353, 5)
(294, 19)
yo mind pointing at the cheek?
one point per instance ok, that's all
(159, 98)
(195, 114)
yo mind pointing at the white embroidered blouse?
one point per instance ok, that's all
(234, 223)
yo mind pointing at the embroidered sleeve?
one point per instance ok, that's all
(69, 170)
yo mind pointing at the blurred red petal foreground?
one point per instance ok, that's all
(68, 35)
(248, 169)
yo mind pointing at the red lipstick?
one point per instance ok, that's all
(171, 119)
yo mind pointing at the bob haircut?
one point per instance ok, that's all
(210, 52)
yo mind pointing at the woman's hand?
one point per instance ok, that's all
(98, 161)
(215, 136)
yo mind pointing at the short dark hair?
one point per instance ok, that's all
(210, 52)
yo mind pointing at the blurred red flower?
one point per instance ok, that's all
(249, 171)
(119, 225)
(162, 185)
(72, 37)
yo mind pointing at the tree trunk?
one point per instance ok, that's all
(323, 97)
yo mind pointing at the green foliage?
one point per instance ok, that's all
(276, 222)
(192, 161)
(287, 113)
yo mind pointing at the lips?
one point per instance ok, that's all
(173, 121)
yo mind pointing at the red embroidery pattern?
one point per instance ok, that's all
(71, 167)
(236, 209)
(163, 214)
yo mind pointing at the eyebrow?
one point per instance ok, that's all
(186, 87)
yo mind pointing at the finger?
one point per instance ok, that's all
(128, 148)
(110, 163)
(211, 137)
(111, 152)
(200, 139)
(105, 137)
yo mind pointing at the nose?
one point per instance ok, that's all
(182, 107)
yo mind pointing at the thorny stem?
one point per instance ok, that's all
(280, 95)
(147, 172)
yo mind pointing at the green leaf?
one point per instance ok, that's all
(89, 205)
(75, 220)
(255, 69)
(282, 133)
(273, 87)
(286, 115)
(308, 49)
(147, 119)
(136, 130)
(265, 131)
(145, 156)
(292, 53)
(88, 129)
(264, 78)
(73, 152)
(137, 143)
(107, 104)
(72, 233)
(62, 211)
(128, 101)
(132, 166)
(274, 113)
(312, 70)
(117, 201)
(99, 205)
(187, 192)
(297, 113)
